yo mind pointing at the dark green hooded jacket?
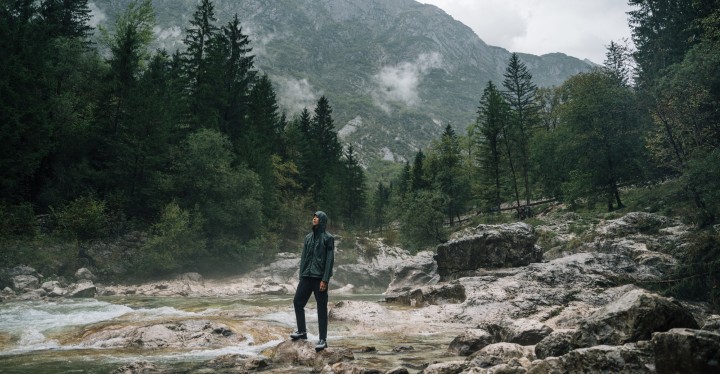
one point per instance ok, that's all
(318, 253)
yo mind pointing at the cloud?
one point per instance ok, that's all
(399, 83)
(294, 95)
(96, 15)
(581, 29)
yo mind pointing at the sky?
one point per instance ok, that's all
(578, 28)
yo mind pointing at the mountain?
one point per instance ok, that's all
(395, 71)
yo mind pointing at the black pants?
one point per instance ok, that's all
(302, 295)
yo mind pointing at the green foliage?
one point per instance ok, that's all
(422, 220)
(698, 276)
(18, 221)
(175, 243)
(84, 218)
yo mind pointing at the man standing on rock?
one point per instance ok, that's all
(316, 266)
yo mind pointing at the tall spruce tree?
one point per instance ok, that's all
(493, 116)
(520, 94)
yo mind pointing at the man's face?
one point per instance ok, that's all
(316, 220)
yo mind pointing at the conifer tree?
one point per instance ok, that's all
(493, 117)
(520, 94)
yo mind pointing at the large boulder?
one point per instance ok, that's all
(632, 317)
(450, 367)
(556, 344)
(415, 271)
(83, 288)
(687, 351)
(24, 283)
(632, 358)
(470, 341)
(502, 353)
(521, 331)
(53, 288)
(84, 274)
(453, 293)
(185, 334)
(487, 246)
(302, 353)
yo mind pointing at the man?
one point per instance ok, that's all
(316, 266)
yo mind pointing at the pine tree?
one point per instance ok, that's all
(520, 94)
(493, 117)
(196, 65)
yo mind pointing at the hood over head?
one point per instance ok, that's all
(323, 218)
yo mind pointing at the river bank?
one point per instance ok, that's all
(490, 300)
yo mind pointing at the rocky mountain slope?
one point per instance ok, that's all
(396, 72)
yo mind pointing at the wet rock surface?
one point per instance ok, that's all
(501, 310)
(487, 247)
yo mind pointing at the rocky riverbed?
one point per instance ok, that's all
(494, 299)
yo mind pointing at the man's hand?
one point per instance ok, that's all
(323, 286)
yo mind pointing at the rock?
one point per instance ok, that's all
(23, 270)
(33, 295)
(388, 264)
(191, 277)
(403, 348)
(349, 368)
(398, 370)
(53, 289)
(487, 246)
(632, 223)
(359, 311)
(629, 358)
(140, 367)
(556, 344)
(25, 283)
(452, 367)
(470, 341)
(520, 331)
(687, 351)
(236, 363)
(187, 334)
(83, 288)
(430, 295)
(712, 323)
(302, 352)
(632, 317)
(418, 270)
(7, 291)
(84, 274)
(500, 353)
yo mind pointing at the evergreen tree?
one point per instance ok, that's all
(66, 18)
(493, 117)
(380, 204)
(353, 189)
(196, 65)
(418, 181)
(520, 94)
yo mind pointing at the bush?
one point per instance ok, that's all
(175, 243)
(18, 221)
(82, 219)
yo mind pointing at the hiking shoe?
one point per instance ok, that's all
(298, 335)
(322, 344)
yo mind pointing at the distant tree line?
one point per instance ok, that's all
(188, 146)
(646, 116)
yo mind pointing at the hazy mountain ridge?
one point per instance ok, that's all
(400, 70)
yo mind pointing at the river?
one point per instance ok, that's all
(54, 336)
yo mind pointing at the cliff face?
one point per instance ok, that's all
(399, 70)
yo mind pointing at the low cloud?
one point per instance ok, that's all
(400, 83)
(296, 94)
(96, 15)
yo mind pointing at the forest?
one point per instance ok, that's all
(183, 160)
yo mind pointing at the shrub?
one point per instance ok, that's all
(18, 221)
(82, 219)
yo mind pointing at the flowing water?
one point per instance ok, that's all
(51, 336)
